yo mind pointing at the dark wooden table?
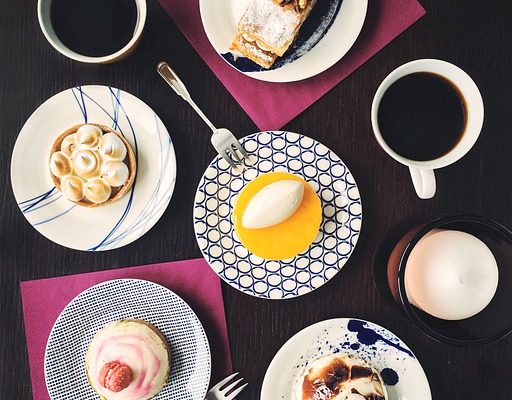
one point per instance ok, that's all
(474, 34)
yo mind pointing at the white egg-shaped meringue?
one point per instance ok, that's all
(87, 163)
(60, 164)
(68, 145)
(115, 173)
(113, 147)
(273, 204)
(97, 190)
(88, 136)
(72, 188)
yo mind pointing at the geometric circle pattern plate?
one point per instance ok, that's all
(341, 221)
(120, 299)
(401, 371)
(99, 228)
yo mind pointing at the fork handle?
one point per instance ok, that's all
(177, 85)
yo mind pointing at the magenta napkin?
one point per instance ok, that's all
(193, 280)
(268, 104)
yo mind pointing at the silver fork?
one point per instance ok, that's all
(222, 139)
(218, 392)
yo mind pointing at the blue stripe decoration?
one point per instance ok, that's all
(81, 101)
(132, 191)
(55, 217)
(37, 198)
(155, 204)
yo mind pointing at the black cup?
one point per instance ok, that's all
(492, 323)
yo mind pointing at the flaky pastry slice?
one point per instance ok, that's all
(268, 28)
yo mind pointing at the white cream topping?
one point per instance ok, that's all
(273, 204)
(88, 136)
(72, 188)
(113, 147)
(68, 145)
(60, 164)
(87, 163)
(97, 190)
(139, 347)
(271, 23)
(115, 173)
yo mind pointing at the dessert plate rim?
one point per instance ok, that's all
(119, 223)
(182, 304)
(347, 25)
(337, 330)
(304, 156)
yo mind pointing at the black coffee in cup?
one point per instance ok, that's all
(422, 116)
(94, 28)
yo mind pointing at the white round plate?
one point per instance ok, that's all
(326, 36)
(94, 308)
(100, 228)
(342, 216)
(366, 340)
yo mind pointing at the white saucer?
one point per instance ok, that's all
(326, 36)
(100, 228)
(94, 308)
(335, 242)
(380, 348)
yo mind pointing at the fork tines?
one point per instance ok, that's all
(228, 389)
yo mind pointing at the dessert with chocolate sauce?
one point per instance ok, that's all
(340, 377)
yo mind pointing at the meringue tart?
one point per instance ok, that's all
(92, 165)
(268, 28)
(340, 377)
(128, 360)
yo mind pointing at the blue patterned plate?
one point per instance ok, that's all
(400, 369)
(342, 216)
(94, 308)
(100, 228)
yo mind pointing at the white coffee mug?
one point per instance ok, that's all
(422, 172)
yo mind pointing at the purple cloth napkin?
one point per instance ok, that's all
(193, 280)
(268, 104)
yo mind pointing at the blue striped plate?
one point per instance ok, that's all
(101, 228)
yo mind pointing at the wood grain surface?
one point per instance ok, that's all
(474, 34)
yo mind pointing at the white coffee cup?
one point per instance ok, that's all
(422, 172)
(43, 14)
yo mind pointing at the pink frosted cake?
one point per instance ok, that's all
(128, 360)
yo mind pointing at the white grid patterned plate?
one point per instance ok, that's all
(341, 222)
(99, 228)
(119, 299)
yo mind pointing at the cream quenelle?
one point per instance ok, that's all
(273, 204)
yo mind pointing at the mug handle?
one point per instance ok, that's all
(424, 182)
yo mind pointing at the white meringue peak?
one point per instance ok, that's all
(72, 188)
(97, 190)
(60, 164)
(113, 147)
(88, 135)
(87, 163)
(68, 145)
(115, 173)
